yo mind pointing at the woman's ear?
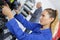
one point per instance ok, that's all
(52, 19)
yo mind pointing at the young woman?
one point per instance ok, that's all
(41, 31)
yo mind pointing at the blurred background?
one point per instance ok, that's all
(55, 4)
(27, 7)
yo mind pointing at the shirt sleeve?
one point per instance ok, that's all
(25, 23)
(12, 25)
(20, 35)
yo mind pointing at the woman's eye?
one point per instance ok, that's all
(43, 15)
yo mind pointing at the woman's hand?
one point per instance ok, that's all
(18, 9)
(7, 12)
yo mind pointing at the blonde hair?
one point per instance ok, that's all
(54, 23)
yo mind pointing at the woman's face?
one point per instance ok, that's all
(45, 18)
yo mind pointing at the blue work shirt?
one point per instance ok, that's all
(37, 34)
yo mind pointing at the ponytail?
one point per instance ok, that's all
(54, 23)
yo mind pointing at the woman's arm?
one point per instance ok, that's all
(27, 24)
(14, 28)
